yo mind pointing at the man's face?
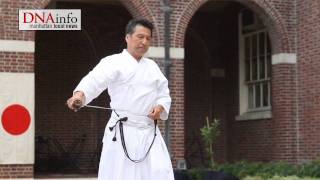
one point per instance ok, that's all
(139, 41)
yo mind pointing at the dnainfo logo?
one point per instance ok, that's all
(50, 19)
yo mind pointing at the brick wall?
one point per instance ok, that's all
(16, 171)
(284, 109)
(277, 15)
(308, 70)
(16, 62)
(177, 110)
(279, 19)
(9, 18)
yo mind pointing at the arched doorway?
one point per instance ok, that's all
(68, 142)
(219, 84)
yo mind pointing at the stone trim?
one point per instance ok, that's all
(17, 46)
(284, 58)
(158, 52)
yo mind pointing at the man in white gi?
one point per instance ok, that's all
(133, 148)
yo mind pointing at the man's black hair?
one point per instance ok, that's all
(134, 22)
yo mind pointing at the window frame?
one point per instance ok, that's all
(257, 112)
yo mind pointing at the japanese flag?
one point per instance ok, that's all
(17, 118)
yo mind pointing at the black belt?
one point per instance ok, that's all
(120, 121)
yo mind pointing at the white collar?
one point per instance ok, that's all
(125, 52)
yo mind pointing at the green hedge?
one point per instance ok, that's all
(268, 170)
(280, 178)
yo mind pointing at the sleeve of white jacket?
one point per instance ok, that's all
(163, 98)
(97, 80)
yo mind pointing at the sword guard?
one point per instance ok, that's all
(77, 104)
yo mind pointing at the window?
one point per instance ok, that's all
(255, 71)
(257, 57)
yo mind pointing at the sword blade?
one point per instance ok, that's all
(112, 109)
(98, 107)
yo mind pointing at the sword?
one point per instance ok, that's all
(99, 107)
(78, 105)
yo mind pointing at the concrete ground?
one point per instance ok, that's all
(62, 178)
(59, 177)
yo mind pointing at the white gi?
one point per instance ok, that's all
(135, 87)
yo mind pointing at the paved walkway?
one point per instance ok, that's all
(59, 176)
(89, 178)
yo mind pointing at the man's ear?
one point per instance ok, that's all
(126, 38)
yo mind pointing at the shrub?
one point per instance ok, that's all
(209, 133)
(270, 170)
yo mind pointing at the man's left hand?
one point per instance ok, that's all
(155, 112)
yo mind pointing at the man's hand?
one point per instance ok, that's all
(155, 112)
(76, 101)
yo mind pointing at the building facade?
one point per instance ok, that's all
(252, 64)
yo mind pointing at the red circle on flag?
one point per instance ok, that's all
(15, 119)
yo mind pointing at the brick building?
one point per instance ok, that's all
(252, 64)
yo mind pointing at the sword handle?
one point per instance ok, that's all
(77, 104)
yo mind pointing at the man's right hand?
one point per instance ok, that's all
(76, 101)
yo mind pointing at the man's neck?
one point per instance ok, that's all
(137, 58)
